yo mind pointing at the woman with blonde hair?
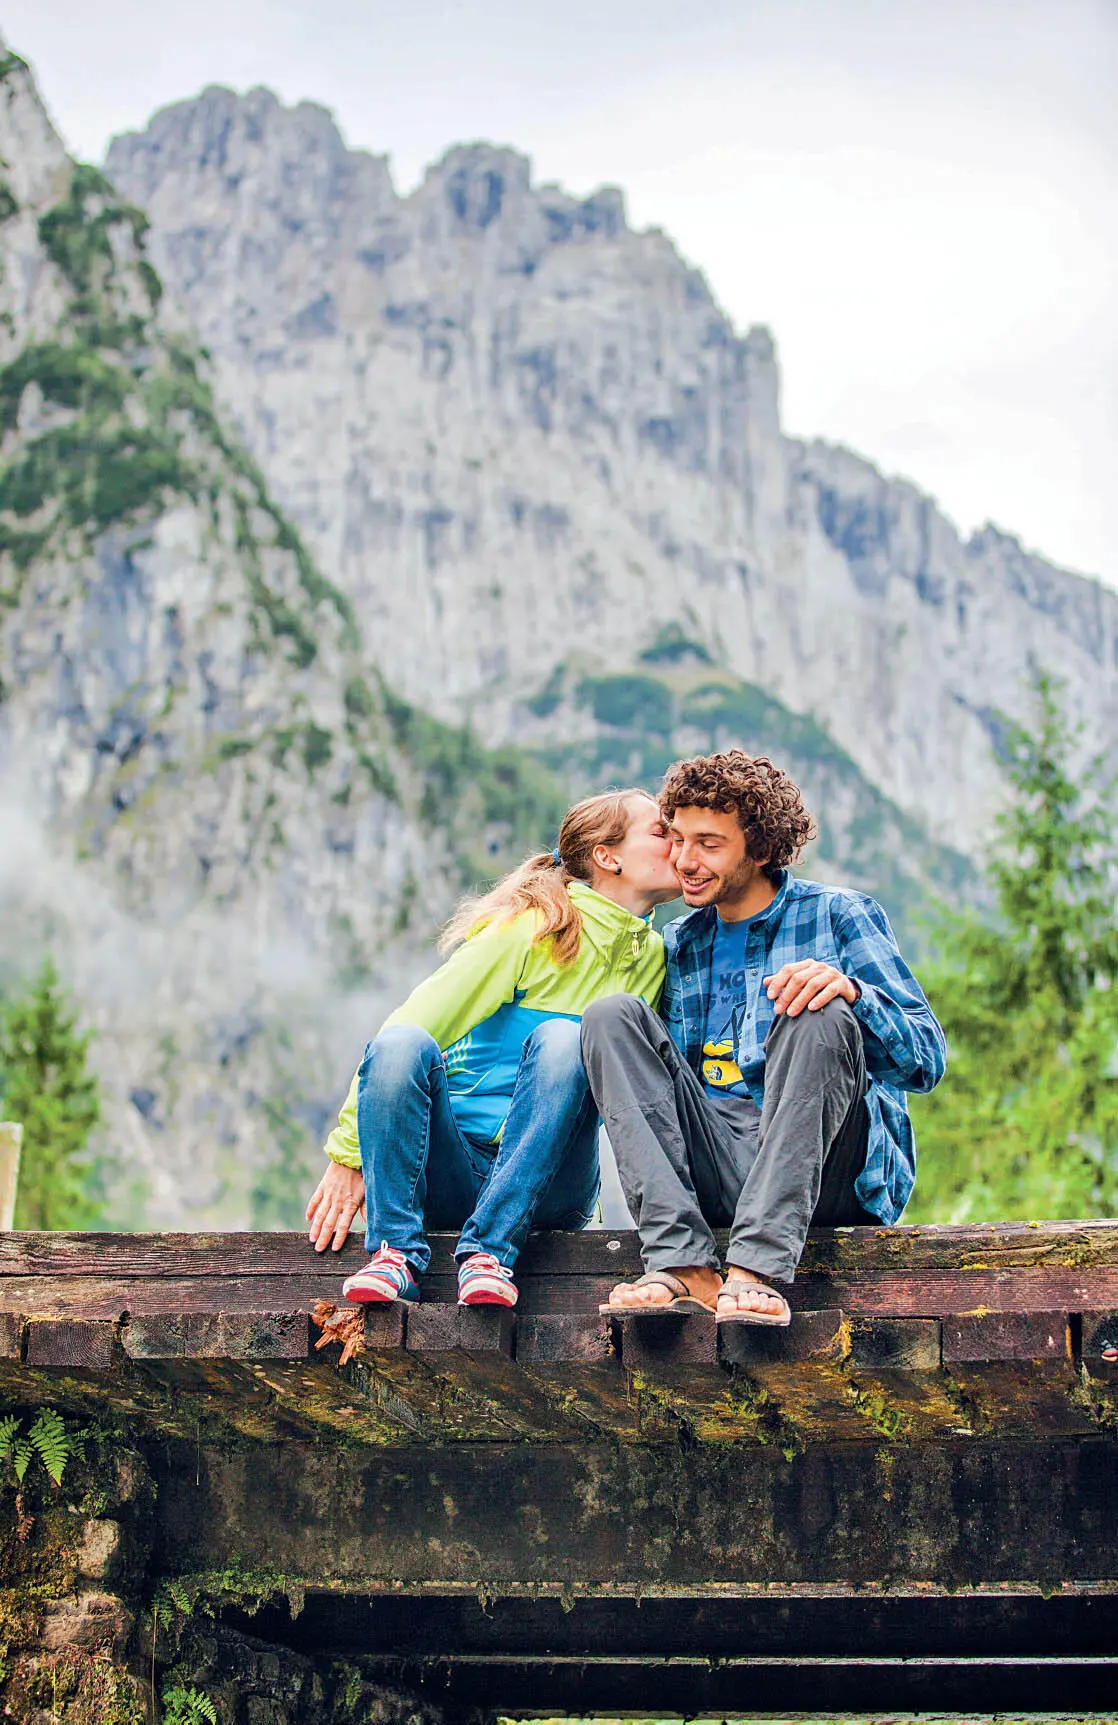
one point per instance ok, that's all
(471, 1109)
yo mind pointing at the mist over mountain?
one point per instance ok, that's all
(345, 536)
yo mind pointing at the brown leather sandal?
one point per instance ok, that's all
(685, 1300)
(749, 1315)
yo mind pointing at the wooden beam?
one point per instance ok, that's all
(844, 1255)
(11, 1141)
(470, 1348)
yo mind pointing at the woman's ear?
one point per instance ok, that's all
(604, 859)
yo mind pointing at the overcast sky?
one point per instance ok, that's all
(917, 196)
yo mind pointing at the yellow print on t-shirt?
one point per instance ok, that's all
(720, 1069)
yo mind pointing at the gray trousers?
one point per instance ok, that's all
(690, 1160)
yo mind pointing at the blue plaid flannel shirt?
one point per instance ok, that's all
(905, 1048)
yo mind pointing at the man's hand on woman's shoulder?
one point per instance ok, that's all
(335, 1201)
(811, 983)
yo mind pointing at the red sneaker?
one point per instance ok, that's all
(387, 1277)
(482, 1281)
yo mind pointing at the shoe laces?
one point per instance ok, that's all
(386, 1254)
(487, 1262)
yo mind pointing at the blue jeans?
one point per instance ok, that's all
(422, 1171)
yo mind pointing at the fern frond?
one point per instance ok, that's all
(9, 1426)
(49, 1436)
(183, 1706)
(21, 1457)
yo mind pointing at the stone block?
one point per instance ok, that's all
(90, 1621)
(100, 1550)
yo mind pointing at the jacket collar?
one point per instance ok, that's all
(605, 919)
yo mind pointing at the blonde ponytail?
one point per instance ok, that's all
(540, 884)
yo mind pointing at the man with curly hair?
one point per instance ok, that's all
(768, 1092)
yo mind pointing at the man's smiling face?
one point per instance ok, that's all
(708, 854)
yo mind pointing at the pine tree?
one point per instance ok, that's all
(1026, 1122)
(46, 1085)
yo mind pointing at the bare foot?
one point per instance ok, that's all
(750, 1292)
(703, 1282)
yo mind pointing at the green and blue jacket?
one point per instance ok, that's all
(484, 1002)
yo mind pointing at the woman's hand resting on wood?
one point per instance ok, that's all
(335, 1201)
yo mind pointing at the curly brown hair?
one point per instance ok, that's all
(768, 805)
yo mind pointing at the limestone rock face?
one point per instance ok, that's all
(211, 805)
(519, 436)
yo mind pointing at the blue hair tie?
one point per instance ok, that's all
(556, 858)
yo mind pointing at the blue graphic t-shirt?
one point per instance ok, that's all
(730, 996)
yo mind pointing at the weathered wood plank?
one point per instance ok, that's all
(470, 1348)
(1021, 1399)
(925, 1297)
(985, 1336)
(217, 1335)
(795, 1379)
(575, 1360)
(69, 1342)
(895, 1344)
(346, 1403)
(810, 1336)
(671, 1362)
(399, 1383)
(850, 1254)
(930, 1293)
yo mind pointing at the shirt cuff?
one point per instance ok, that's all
(875, 1015)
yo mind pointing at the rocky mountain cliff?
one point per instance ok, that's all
(533, 453)
(213, 808)
(343, 536)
